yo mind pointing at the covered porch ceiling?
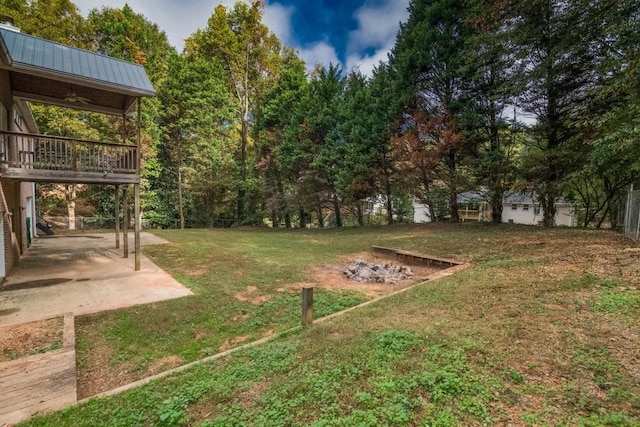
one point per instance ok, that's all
(78, 96)
(52, 73)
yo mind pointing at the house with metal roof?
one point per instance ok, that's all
(34, 70)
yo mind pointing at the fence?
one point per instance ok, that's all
(108, 223)
(632, 215)
(81, 223)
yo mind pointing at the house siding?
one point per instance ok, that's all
(564, 215)
(11, 224)
(420, 212)
(15, 194)
(5, 90)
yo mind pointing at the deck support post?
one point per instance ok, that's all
(125, 220)
(117, 215)
(136, 186)
(136, 221)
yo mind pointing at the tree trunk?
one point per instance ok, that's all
(432, 211)
(180, 197)
(336, 210)
(242, 194)
(453, 205)
(244, 142)
(71, 205)
(496, 205)
(604, 216)
(287, 218)
(388, 201)
(303, 218)
(320, 219)
(360, 213)
(496, 188)
(281, 195)
(548, 204)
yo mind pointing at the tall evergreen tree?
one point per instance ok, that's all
(558, 45)
(490, 66)
(356, 179)
(322, 136)
(280, 112)
(429, 59)
(196, 159)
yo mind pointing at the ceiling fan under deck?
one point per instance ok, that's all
(73, 98)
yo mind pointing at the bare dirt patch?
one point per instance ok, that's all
(233, 342)
(197, 272)
(251, 295)
(165, 364)
(102, 376)
(30, 338)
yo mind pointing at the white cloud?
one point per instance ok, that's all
(376, 32)
(178, 19)
(278, 18)
(377, 25)
(377, 29)
(366, 63)
(318, 53)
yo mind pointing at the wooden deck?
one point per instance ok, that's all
(39, 383)
(44, 158)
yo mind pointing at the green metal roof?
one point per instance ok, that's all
(35, 55)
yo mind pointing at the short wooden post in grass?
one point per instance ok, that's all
(307, 305)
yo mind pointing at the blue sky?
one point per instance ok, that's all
(354, 33)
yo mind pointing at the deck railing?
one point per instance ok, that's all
(43, 152)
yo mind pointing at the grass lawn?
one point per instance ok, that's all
(543, 329)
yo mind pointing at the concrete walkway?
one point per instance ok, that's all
(67, 276)
(82, 274)
(39, 383)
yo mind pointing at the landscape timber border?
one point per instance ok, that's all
(414, 258)
(454, 268)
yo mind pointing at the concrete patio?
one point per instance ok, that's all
(69, 276)
(82, 274)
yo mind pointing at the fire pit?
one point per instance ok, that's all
(364, 272)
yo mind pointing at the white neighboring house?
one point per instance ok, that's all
(471, 207)
(518, 208)
(420, 212)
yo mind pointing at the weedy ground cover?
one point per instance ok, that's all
(542, 329)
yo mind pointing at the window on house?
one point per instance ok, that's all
(537, 210)
(3, 118)
(525, 207)
(514, 207)
(17, 118)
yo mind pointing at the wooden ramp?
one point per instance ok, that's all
(39, 383)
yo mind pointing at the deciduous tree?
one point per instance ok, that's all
(250, 54)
